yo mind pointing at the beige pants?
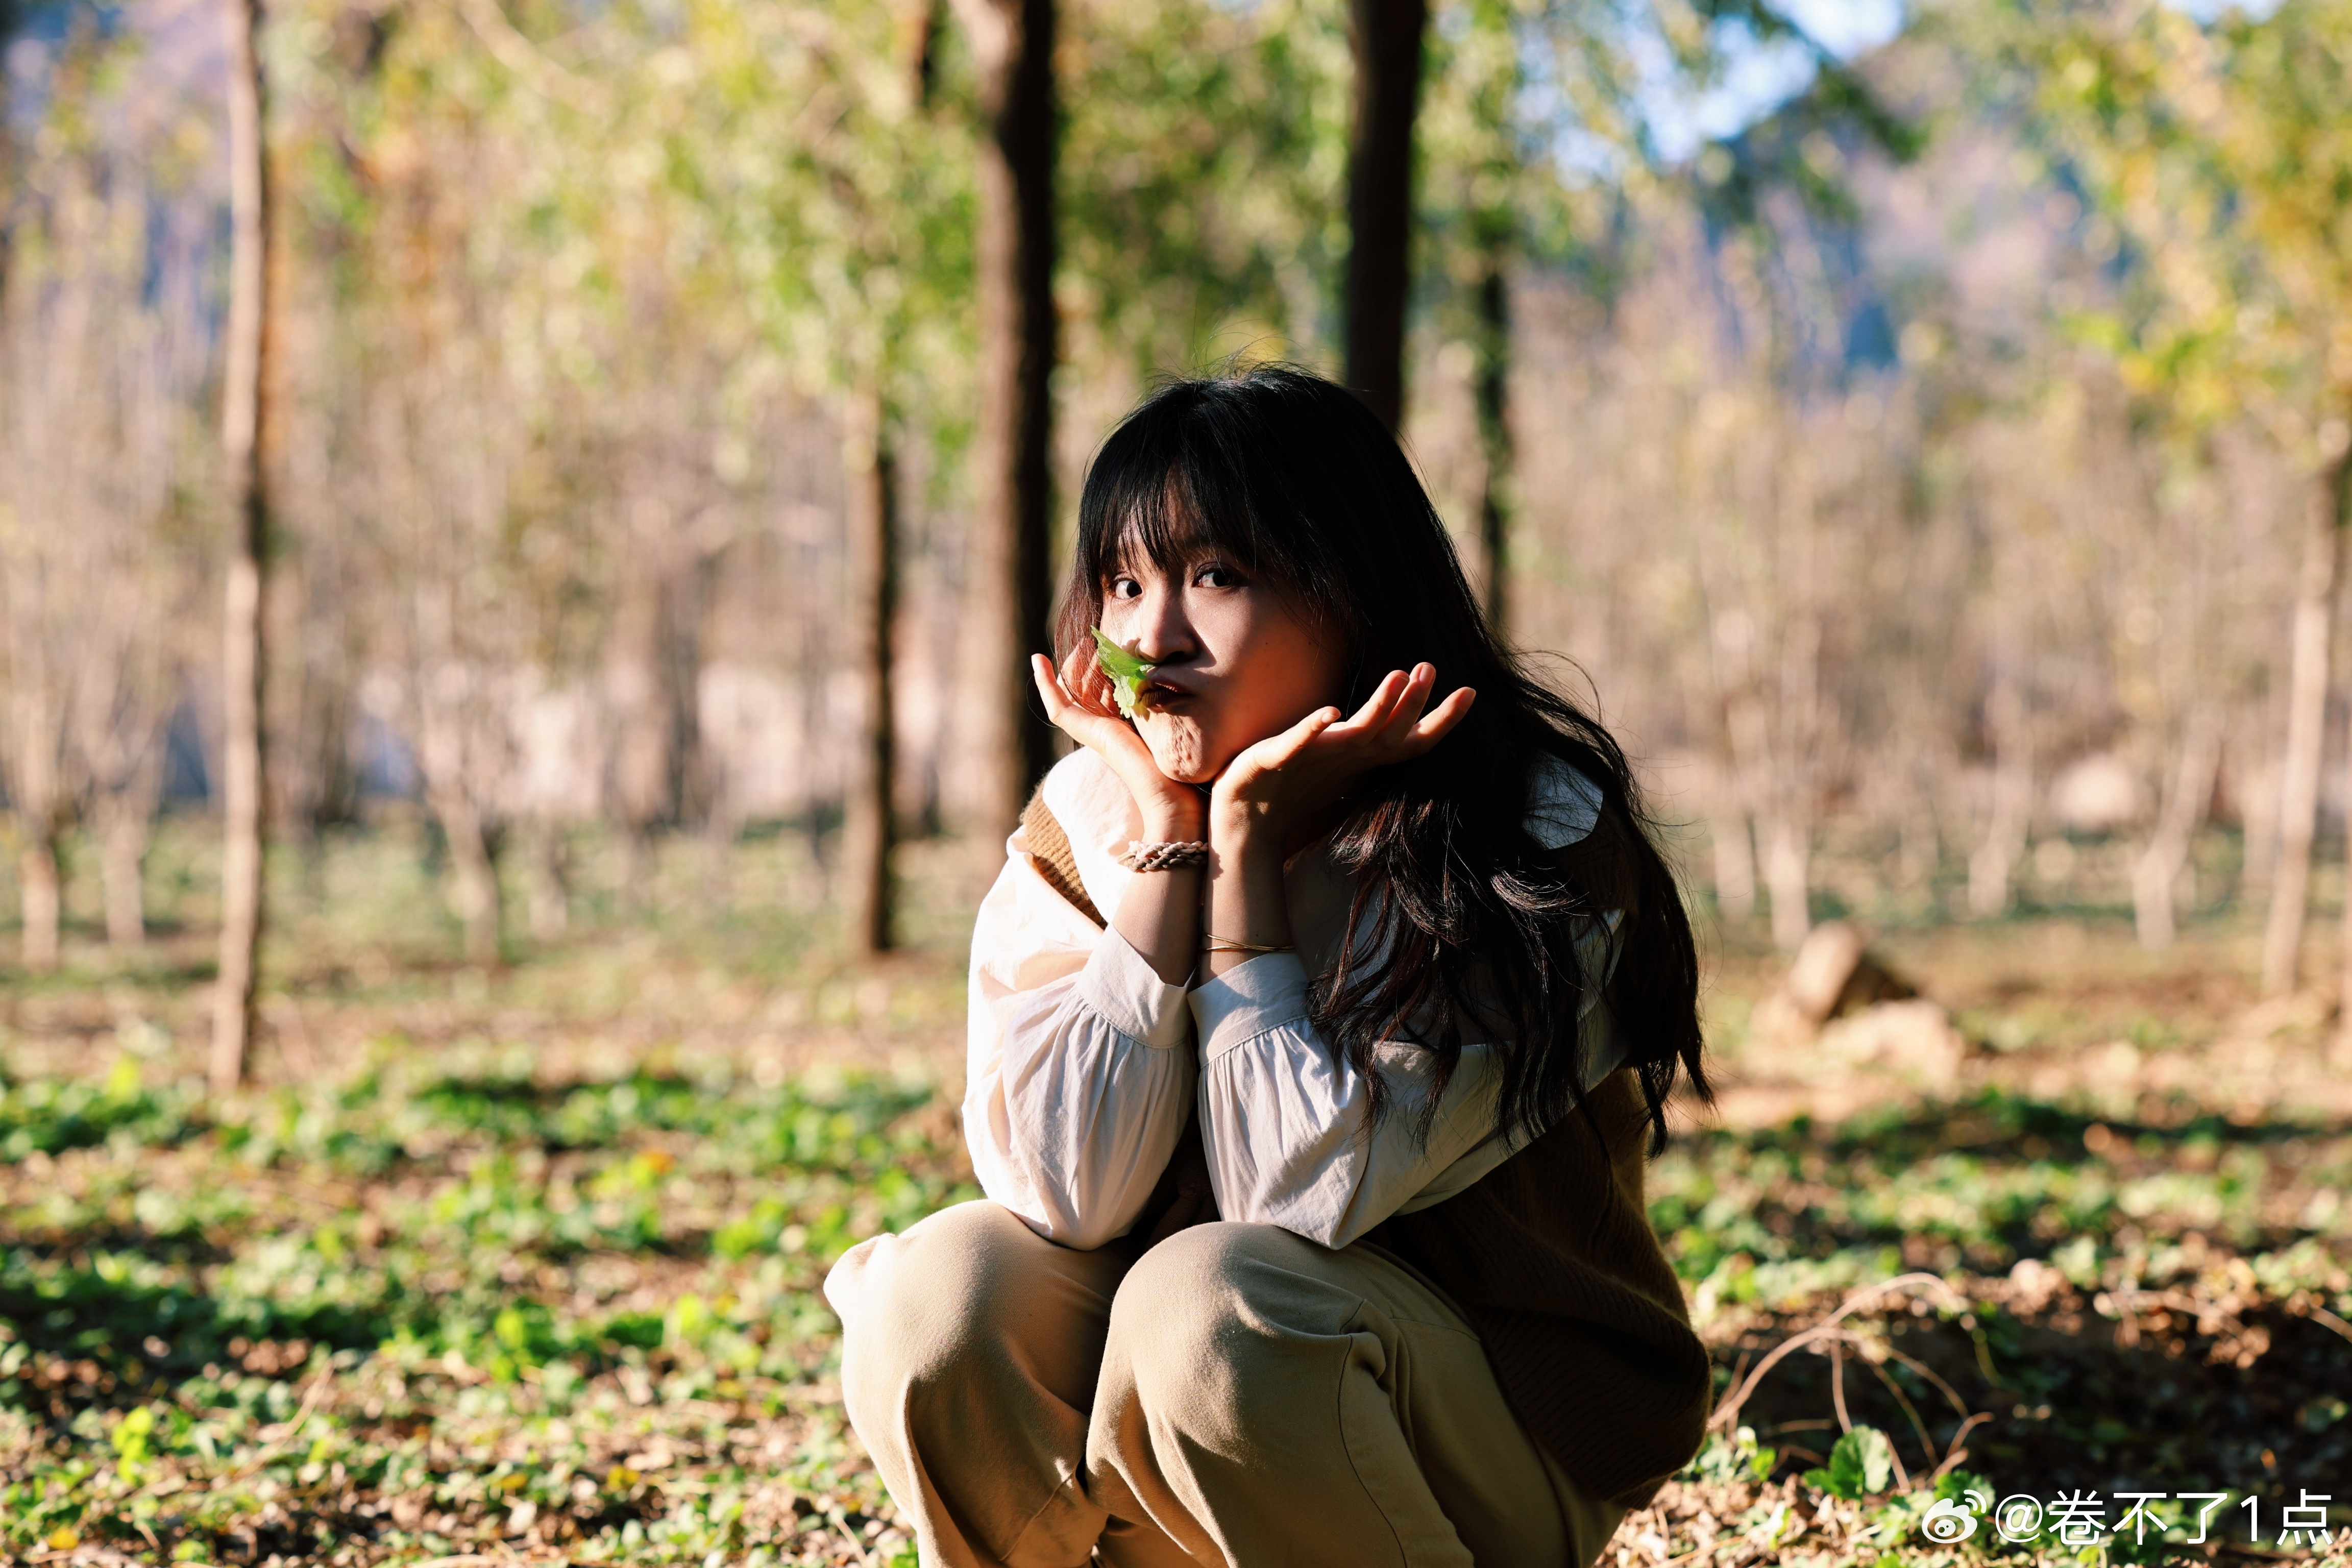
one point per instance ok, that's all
(1236, 1396)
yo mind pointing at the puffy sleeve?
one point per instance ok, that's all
(1283, 1118)
(1080, 1070)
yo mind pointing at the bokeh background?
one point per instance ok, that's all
(518, 524)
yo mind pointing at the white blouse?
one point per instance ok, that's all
(1083, 1064)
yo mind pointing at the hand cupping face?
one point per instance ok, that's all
(1282, 780)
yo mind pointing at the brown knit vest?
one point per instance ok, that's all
(1550, 1258)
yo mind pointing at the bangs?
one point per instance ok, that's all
(1161, 498)
(1287, 477)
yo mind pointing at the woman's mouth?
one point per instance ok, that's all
(1160, 694)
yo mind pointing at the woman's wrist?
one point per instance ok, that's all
(1248, 908)
(1182, 819)
(1238, 831)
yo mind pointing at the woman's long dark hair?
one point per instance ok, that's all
(1461, 917)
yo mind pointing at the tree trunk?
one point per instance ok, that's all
(1787, 882)
(474, 877)
(1995, 856)
(1386, 38)
(644, 700)
(1013, 41)
(2254, 784)
(243, 411)
(633, 848)
(9, 12)
(2339, 511)
(685, 600)
(41, 898)
(1919, 841)
(870, 832)
(311, 858)
(131, 782)
(1797, 740)
(1744, 790)
(1734, 864)
(722, 834)
(551, 904)
(123, 850)
(2157, 871)
(2306, 725)
(1495, 491)
(1995, 860)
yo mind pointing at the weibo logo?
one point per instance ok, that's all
(1951, 1519)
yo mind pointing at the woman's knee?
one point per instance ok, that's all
(1198, 1311)
(919, 1293)
(966, 1368)
(969, 1294)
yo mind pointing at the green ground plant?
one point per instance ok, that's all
(526, 1264)
(384, 1321)
(412, 1318)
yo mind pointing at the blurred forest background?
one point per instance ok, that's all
(1938, 473)
(517, 525)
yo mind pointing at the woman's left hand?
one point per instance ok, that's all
(1284, 780)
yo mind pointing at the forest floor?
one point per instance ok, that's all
(521, 1264)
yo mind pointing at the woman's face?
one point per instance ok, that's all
(1235, 660)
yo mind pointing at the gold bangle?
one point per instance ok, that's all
(1223, 945)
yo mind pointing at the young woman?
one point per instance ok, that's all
(1319, 1019)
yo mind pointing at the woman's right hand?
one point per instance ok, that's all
(1285, 780)
(1078, 703)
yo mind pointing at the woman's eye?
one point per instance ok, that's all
(1216, 576)
(1126, 588)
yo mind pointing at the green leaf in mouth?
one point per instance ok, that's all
(1127, 673)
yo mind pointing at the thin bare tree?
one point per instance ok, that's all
(870, 831)
(42, 398)
(1386, 38)
(2307, 719)
(2155, 870)
(1014, 40)
(10, 11)
(1497, 496)
(244, 411)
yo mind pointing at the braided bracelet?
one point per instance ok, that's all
(1165, 856)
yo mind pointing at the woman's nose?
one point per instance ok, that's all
(1164, 632)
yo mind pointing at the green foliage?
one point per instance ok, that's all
(48, 1116)
(1861, 1465)
(1127, 673)
(1203, 184)
(1778, 1213)
(300, 1335)
(129, 1438)
(2217, 151)
(453, 1294)
(1734, 1458)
